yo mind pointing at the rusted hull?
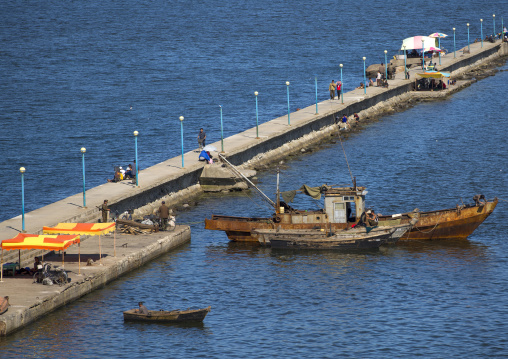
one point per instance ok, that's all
(454, 223)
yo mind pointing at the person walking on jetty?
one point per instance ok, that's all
(163, 215)
(104, 208)
(201, 139)
(332, 90)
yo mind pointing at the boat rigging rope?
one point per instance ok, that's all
(429, 231)
(249, 183)
(349, 169)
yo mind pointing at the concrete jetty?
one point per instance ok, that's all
(169, 181)
(30, 301)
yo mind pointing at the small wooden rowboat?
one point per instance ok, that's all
(4, 304)
(161, 316)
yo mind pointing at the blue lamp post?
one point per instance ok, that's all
(181, 132)
(405, 66)
(481, 29)
(22, 170)
(364, 77)
(287, 86)
(136, 133)
(423, 55)
(257, 119)
(221, 132)
(494, 25)
(83, 151)
(341, 85)
(315, 80)
(386, 66)
(468, 48)
(454, 43)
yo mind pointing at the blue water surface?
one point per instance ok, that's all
(71, 72)
(88, 74)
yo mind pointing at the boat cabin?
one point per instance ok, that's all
(345, 204)
(342, 205)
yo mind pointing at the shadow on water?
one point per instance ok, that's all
(141, 326)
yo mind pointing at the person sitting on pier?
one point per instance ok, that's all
(117, 177)
(142, 309)
(37, 263)
(371, 83)
(361, 86)
(205, 156)
(128, 172)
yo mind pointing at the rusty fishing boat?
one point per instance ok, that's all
(343, 208)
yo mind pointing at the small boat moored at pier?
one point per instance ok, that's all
(161, 316)
(354, 238)
(341, 241)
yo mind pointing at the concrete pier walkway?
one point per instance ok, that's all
(30, 301)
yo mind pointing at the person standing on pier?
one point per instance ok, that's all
(201, 139)
(104, 208)
(339, 89)
(332, 90)
(163, 215)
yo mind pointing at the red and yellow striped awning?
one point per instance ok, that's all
(89, 229)
(35, 241)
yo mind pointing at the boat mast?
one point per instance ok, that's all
(277, 209)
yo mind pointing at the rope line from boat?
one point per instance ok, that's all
(253, 201)
(233, 169)
(429, 231)
(347, 162)
(504, 200)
